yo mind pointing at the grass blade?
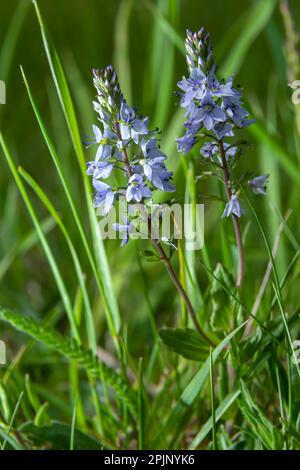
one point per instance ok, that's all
(11, 37)
(12, 420)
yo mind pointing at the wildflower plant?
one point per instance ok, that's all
(105, 371)
(214, 114)
(125, 145)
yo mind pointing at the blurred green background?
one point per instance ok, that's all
(144, 40)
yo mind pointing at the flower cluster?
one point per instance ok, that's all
(124, 145)
(213, 110)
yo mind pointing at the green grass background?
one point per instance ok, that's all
(144, 40)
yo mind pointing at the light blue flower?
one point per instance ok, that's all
(161, 178)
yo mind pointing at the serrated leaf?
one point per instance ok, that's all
(185, 342)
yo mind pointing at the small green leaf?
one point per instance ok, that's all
(41, 418)
(186, 342)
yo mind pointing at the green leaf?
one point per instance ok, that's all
(5, 403)
(63, 92)
(186, 342)
(57, 437)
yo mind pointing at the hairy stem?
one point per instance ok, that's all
(235, 219)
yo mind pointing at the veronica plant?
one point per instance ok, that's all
(127, 149)
(214, 113)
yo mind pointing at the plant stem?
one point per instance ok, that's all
(235, 219)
